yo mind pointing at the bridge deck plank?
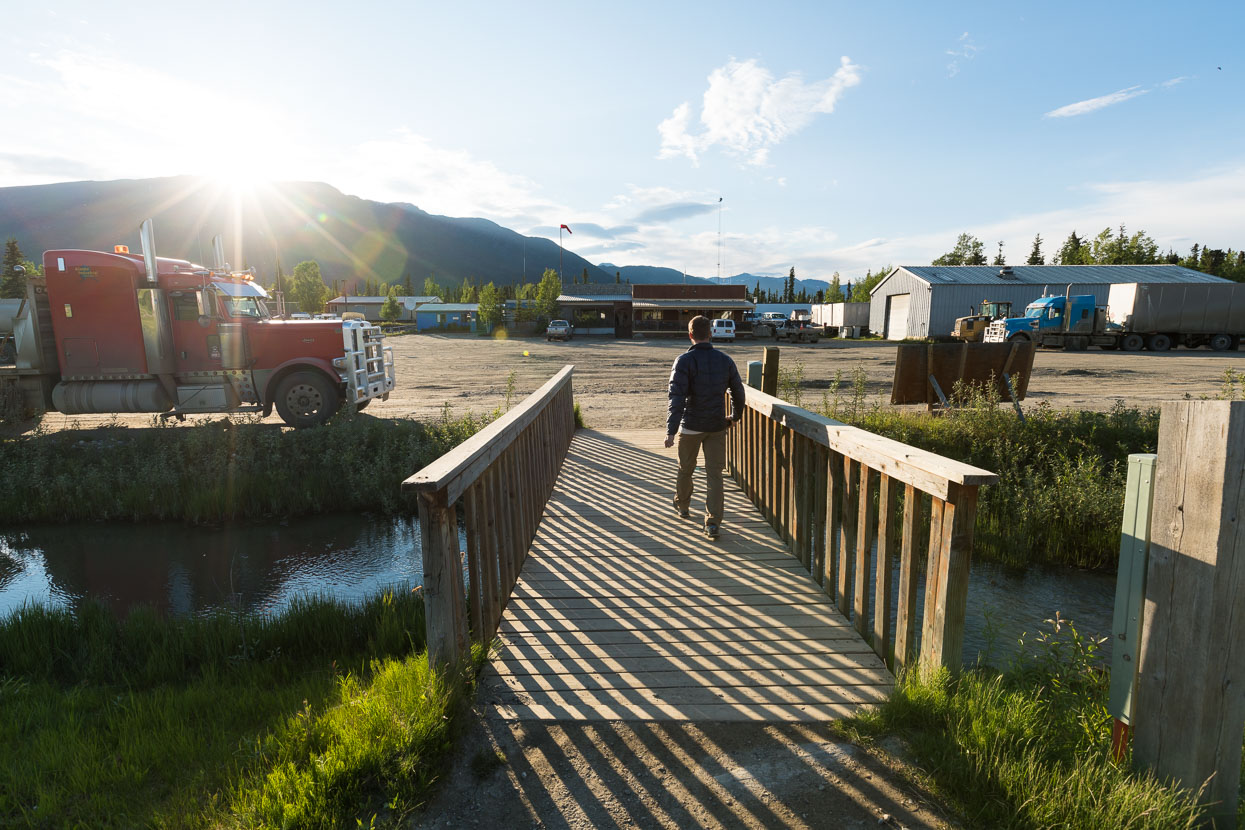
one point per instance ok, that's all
(624, 611)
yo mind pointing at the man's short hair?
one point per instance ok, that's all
(699, 327)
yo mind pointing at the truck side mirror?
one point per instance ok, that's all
(205, 320)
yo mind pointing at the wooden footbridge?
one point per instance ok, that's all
(607, 605)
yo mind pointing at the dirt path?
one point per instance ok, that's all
(622, 384)
(669, 775)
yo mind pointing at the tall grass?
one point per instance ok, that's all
(1026, 747)
(1060, 494)
(317, 717)
(222, 470)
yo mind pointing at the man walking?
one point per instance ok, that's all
(698, 384)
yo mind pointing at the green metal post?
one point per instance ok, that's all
(1130, 593)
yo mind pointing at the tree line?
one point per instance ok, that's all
(306, 286)
(1111, 246)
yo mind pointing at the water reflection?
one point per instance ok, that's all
(188, 570)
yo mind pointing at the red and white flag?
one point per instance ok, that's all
(568, 230)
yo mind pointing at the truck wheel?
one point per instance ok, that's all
(306, 399)
(1076, 344)
(1220, 342)
(1132, 342)
(1019, 337)
(1158, 342)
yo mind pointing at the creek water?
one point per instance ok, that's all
(182, 570)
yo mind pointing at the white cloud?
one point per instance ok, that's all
(1093, 104)
(747, 112)
(407, 167)
(964, 49)
(1173, 81)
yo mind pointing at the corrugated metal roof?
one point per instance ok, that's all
(693, 303)
(1056, 274)
(443, 308)
(402, 299)
(594, 298)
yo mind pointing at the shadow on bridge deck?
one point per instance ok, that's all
(623, 611)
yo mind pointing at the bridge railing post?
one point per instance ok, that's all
(832, 493)
(502, 476)
(1189, 711)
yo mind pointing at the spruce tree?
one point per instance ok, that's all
(1035, 256)
(12, 280)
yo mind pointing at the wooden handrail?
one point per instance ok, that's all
(459, 468)
(924, 470)
(502, 475)
(831, 491)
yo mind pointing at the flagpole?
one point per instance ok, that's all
(559, 255)
(719, 239)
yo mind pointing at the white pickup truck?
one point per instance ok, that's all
(559, 330)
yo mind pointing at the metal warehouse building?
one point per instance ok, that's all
(924, 300)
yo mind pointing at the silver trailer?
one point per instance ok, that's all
(1190, 314)
(841, 315)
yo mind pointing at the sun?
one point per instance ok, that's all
(239, 164)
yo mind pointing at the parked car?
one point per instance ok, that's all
(722, 330)
(766, 323)
(797, 331)
(559, 330)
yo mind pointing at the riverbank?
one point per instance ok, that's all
(1027, 746)
(316, 717)
(223, 470)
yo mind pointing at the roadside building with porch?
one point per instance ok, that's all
(598, 308)
(667, 309)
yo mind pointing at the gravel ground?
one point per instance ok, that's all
(669, 775)
(622, 384)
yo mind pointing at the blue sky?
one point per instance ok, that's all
(840, 136)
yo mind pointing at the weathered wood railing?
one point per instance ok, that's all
(503, 476)
(831, 490)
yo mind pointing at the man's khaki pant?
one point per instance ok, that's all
(715, 460)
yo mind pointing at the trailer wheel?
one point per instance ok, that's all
(306, 399)
(1158, 342)
(1132, 342)
(1220, 342)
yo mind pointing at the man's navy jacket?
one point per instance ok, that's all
(698, 384)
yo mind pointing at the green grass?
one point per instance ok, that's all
(219, 471)
(312, 718)
(1060, 494)
(1026, 747)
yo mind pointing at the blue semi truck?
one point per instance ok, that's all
(1137, 316)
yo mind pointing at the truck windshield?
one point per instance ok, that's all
(1035, 311)
(245, 307)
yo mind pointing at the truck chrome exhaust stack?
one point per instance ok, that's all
(147, 238)
(219, 265)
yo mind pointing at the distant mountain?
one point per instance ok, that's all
(351, 238)
(650, 274)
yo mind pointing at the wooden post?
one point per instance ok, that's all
(847, 535)
(888, 500)
(1190, 709)
(833, 474)
(865, 528)
(946, 587)
(444, 597)
(474, 519)
(905, 613)
(769, 371)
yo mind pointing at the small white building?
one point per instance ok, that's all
(369, 307)
(918, 301)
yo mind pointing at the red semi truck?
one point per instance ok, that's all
(118, 332)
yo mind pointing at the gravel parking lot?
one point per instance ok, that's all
(622, 384)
